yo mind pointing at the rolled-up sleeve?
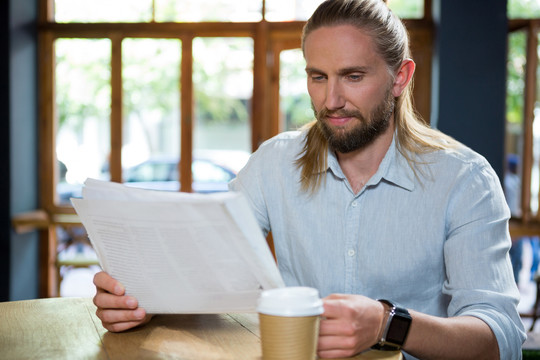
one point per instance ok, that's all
(480, 281)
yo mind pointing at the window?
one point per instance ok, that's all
(522, 173)
(171, 94)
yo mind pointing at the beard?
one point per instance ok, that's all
(363, 133)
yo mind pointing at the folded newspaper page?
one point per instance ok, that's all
(179, 252)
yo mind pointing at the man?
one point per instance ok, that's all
(369, 203)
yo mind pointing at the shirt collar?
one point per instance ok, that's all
(394, 168)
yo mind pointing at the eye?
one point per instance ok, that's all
(355, 77)
(317, 78)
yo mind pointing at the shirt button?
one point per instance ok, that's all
(351, 252)
(354, 203)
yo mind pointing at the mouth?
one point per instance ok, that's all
(339, 120)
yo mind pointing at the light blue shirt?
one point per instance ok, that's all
(436, 241)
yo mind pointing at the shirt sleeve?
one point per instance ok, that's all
(480, 281)
(249, 182)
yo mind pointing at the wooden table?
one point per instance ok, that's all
(67, 328)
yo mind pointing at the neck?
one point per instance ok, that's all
(360, 165)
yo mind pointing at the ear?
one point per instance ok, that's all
(403, 76)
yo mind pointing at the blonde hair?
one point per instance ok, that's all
(391, 40)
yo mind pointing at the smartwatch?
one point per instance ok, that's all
(398, 322)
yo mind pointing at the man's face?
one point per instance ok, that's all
(349, 85)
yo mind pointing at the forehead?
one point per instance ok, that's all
(341, 46)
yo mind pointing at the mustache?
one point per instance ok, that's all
(324, 113)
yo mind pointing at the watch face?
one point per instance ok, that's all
(398, 330)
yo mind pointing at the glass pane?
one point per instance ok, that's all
(83, 100)
(102, 11)
(294, 103)
(523, 9)
(77, 262)
(407, 9)
(208, 10)
(223, 88)
(287, 10)
(514, 120)
(151, 98)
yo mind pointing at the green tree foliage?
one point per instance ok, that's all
(515, 77)
(407, 9)
(82, 81)
(523, 9)
(222, 79)
(151, 77)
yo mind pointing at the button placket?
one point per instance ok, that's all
(350, 248)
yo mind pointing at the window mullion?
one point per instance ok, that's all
(47, 124)
(46, 10)
(528, 117)
(186, 110)
(428, 12)
(115, 161)
(260, 105)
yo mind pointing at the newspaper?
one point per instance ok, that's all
(179, 252)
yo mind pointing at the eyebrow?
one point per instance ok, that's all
(344, 71)
(353, 69)
(311, 70)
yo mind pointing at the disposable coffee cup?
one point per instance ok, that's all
(289, 323)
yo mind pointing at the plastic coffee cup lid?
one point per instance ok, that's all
(290, 301)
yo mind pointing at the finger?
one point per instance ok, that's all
(104, 300)
(122, 326)
(110, 316)
(104, 281)
(333, 354)
(125, 325)
(330, 327)
(331, 342)
(336, 346)
(119, 327)
(333, 307)
(336, 296)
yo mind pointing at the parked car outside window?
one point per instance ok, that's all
(211, 172)
(161, 173)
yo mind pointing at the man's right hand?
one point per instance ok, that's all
(116, 310)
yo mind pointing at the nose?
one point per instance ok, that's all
(334, 95)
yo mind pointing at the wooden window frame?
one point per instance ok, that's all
(528, 224)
